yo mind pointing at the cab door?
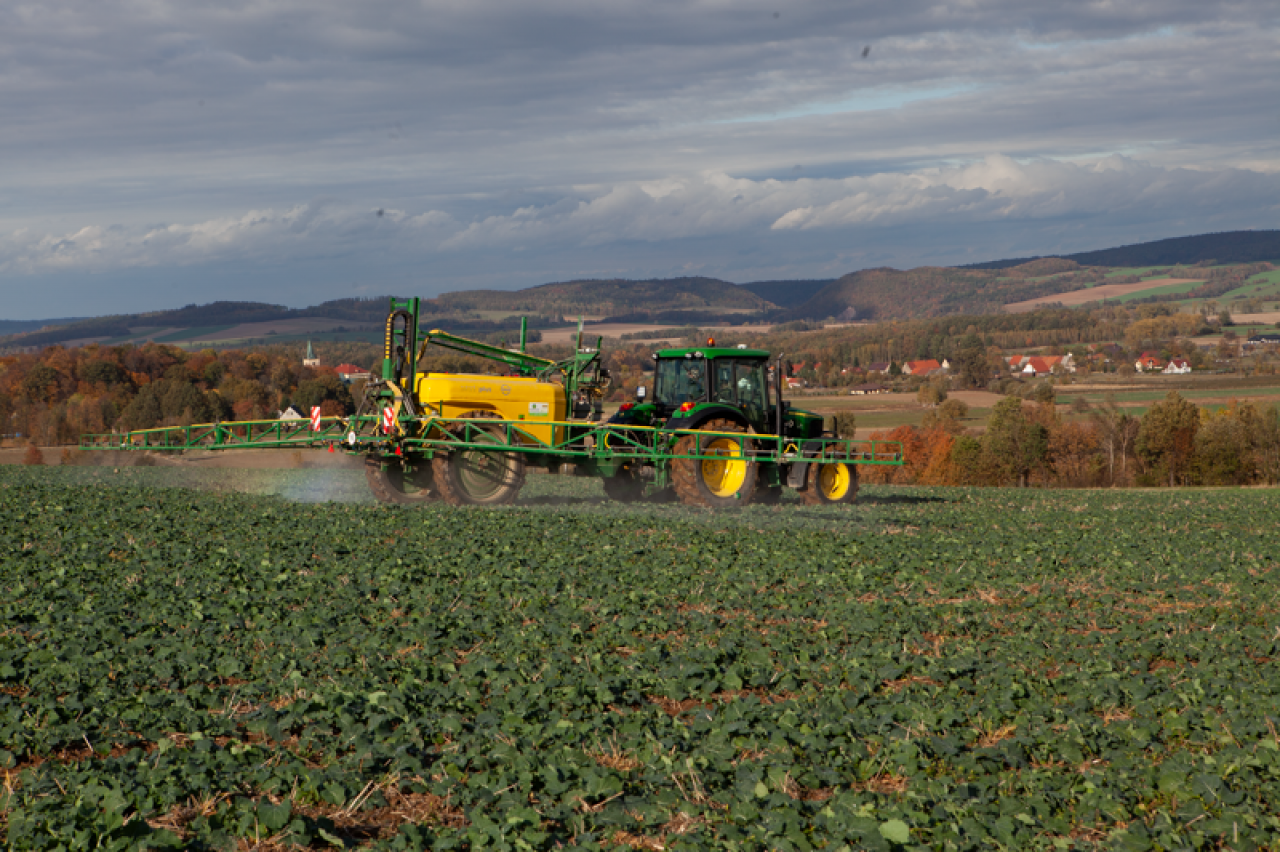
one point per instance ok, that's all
(752, 393)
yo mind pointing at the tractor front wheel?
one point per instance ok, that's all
(478, 477)
(391, 483)
(831, 482)
(728, 478)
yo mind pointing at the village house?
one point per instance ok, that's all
(1177, 366)
(1041, 365)
(927, 367)
(350, 373)
(1037, 366)
(1044, 365)
(1148, 361)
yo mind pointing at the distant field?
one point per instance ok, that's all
(1103, 291)
(616, 330)
(206, 332)
(888, 411)
(305, 325)
(1182, 286)
(592, 331)
(1265, 318)
(1265, 285)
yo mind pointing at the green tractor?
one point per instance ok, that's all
(711, 400)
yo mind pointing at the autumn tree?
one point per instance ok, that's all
(1222, 452)
(1073, 452)
(1015, 443)
(970, 362)
(947, 416)
(931, 393)
(1116, 430)
(324, 388)
(1167, 434)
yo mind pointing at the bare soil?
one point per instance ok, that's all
(1264, 317)
(1093, 294)
(616, 329)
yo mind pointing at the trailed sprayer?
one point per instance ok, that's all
(712, 429)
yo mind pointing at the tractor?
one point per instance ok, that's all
(717, 400)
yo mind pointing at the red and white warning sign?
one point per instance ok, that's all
(315, 418)
(389, 420)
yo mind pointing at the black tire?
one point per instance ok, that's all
(710, 483)
(479, 477)
(394, 485)
(830, 483)
(624, 486)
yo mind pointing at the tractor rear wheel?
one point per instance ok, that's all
(830, 482)
(474, 477)
(727, 480)
(392, 484)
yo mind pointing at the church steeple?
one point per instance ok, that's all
(311, 360)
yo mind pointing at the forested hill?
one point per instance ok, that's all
(608, 297)
(216, 313)
(787, 294)
(1226, 247)
(933, 291)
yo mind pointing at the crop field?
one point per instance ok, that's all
(1106, 291)
(928, 669)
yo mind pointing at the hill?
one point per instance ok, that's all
(787, 294)
(200, 319)
(609, 297)
(933, 291)
(19, 326)
(1226, 247)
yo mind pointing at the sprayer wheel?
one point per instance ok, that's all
(830, 483)
(394, 485)
(727, 479)
(624, 486)
(473, 477)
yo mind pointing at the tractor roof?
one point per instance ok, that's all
(712, 352)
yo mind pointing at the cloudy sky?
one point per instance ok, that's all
(155, 153)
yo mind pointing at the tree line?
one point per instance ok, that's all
(55, 396)
(1034, 442)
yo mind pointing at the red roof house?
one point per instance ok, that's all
(921, 368)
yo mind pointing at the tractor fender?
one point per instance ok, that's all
(698, 416)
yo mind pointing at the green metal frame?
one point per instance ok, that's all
(427, 435)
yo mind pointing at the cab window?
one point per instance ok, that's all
(749, 381)
(680, 380)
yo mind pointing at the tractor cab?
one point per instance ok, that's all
(695, 384)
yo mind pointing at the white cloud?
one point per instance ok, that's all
(304, 231)
(997, 188)
(493, 131)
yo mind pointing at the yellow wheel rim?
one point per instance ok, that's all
(724, 476)
(833, 481)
